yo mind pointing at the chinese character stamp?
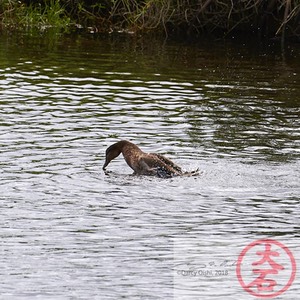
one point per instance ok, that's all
(266, 268)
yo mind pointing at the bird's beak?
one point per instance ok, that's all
(105, 165)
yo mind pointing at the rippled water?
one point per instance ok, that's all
(68, 231)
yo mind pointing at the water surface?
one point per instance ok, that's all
(68, 231)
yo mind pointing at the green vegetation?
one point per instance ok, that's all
(17, 14)
(271, 18)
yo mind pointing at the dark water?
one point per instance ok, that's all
(67, 231)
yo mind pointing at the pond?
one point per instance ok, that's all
(68, 231)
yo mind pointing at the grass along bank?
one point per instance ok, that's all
(19, 15)
(271, 19)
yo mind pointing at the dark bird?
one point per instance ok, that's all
(144, 163)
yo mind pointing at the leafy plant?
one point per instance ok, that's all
(47, 13)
